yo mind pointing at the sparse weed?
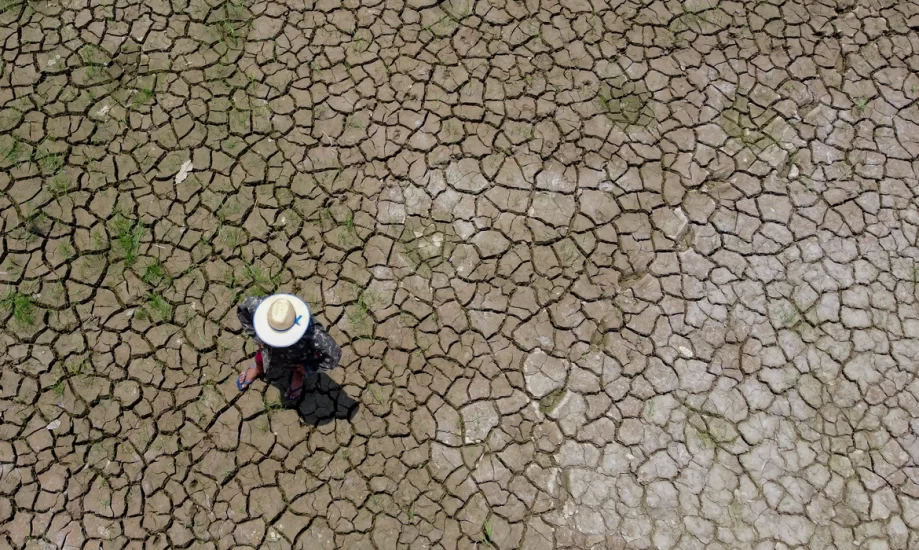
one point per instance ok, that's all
(265, 282)
(230, 236)
(377, 396)
(349, 234)
(90, 55)
(359, 46)
(229, 29)
(229, 209)
(226, 32)
(362, 308)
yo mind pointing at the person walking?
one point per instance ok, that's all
(289, 339)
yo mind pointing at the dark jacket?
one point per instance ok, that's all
(315, 351)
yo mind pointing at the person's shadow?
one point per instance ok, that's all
(322, 400)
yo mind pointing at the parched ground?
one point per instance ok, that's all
(607, 274)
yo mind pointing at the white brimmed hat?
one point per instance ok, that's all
(281, 319)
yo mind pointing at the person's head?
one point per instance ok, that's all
(281, 320)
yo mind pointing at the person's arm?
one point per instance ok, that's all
(246, 313)
(326, 353)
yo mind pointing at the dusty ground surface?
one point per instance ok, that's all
(606, 274)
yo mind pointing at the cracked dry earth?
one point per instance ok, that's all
(635, 274)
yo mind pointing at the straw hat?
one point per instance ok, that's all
(281, 320)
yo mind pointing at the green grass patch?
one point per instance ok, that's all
(157, 305)
(21, 306)
(48, 162)
(231, 237)
(154, 274)
(273, 405)
(59, 184)
(376, 395)
(15, 152)
(66, 250)
(489, 534)
(362, 309)
(141, 97)
(127, 237)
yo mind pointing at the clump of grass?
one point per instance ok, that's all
(154, 274)
(49, 162)
(98, 239)
(59, 185)
(66, 250)
(273, 405)
(489, 534)
(377, 396)
(141, 97)
(354, 122)
(230, 236)
(90, 55)
(13, 152)
(158, 305)
(128, 234)
(75, 368)
(229, 209)
(20, 305)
